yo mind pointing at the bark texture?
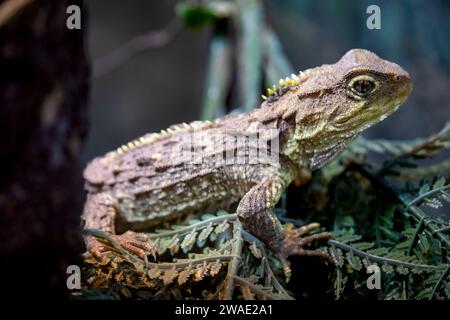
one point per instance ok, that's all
(44, 84)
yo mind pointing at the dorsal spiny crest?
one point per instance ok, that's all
(284, 86)
(153, 137)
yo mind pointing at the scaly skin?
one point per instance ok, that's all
(314, 116)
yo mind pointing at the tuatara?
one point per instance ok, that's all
(302, 124)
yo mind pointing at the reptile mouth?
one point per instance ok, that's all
(405, 91)
(407, 84)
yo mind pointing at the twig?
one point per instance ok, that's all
(261, 246)
(443, 133)
(426, 171)
(250, 23)
(218, 77)
(275, 282)
(418, 214)
(380, 259)
(415, 237)
(139, 44)
(259, 292)
(442, 278)
(197, 226)
(426, 195)
(431, 143)
(233, 266)
(442, 230)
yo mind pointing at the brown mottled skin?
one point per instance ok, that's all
(316, 115)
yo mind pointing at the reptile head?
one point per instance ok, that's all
(359, 90)
(333, 103)
(370, 89)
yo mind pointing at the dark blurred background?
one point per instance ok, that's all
(165, 85)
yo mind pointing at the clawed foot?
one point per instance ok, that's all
(135, 243)
(297, 241)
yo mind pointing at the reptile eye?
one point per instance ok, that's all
(362, 85)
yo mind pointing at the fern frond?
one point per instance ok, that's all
(378, 255)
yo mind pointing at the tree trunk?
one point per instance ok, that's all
(44, 84)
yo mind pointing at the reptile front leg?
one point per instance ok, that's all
(256, 215)
(100, 213)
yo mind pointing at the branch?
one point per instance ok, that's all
(218, 77)
(250, 21)
(139, 44)
(234, 264)
(418, 215)
(275, 282)
(426, 195)
(375, 258)
(254, 288)
(264, 260)
(425, 171)
(197, 226)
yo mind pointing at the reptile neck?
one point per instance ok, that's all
(313, 151)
